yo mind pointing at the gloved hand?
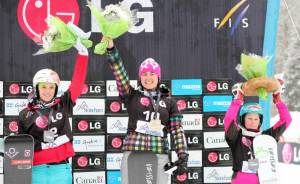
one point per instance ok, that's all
(277, 94)
(82, 50)
(78, 31)
(237, 91)
(181, 164)
(164, 90)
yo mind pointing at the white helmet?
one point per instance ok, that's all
(45, 75)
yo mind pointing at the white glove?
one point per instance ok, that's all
(280, 79)
(79, 32)
(237, 91)
(82, 50)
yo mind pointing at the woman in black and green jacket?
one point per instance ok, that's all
(152, 115)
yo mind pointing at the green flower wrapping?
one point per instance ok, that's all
(60, 37)
(113, 21)
(253, 66)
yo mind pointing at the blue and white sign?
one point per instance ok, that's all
(113, 161)
(95, 143)
(14, 106)
(186, 87)
(216, 103)
(113, 177)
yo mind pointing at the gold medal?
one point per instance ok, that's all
(155, 124)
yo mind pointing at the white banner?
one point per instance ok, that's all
(89, 143)
(192, 122)
(86, 106)
(117, 125)
(14, 106)
(89, 177)
(214, 140)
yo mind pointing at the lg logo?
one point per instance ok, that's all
(32, 14)
(84, 161)
(213, 86)
(16, 89)
(145, 17)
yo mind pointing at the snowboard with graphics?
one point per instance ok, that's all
(142, 167)
(265, 150)
(18, 157)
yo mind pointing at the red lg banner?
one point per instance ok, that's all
(33, 13)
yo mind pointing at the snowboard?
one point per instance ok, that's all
(18, 159)
(265, 150)
(142, 167)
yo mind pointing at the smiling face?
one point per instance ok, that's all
(46, 91)
(252, 121)
(149, 80)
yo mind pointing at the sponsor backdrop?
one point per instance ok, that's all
(99, 123)
(197, 45)
(189, 39)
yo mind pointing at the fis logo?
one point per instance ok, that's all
(240, 18)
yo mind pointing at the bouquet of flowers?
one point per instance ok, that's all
(113, 21)
(254, 69)
(60, 36)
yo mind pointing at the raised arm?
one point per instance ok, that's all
(118, 69)
(284, 117)
(80, 71)
(232, 113)
(284, 114)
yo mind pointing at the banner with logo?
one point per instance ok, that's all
(189, 39)
(197, 43)
(289, 153)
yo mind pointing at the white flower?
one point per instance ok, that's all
(119, 11)
(49, 35)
